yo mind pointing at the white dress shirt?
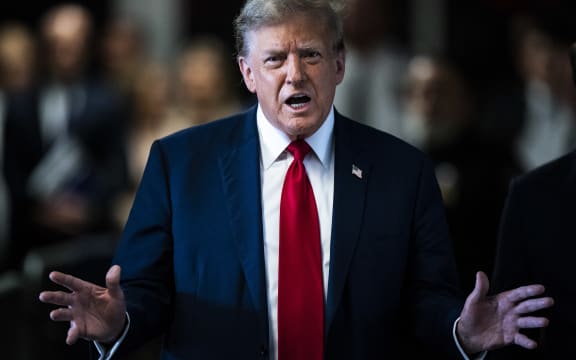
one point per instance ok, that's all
(548, 130)
(275, 160)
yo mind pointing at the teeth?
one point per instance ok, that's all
(298, 101)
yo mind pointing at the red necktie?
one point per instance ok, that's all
(300, 289)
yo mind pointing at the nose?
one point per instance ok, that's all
(295, 72)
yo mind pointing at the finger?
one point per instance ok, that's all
(56, 297)
(68, 281)
(524, 292)
(532, 322)
(481, 286)
(531, 305)
(113, 281)
(524, 341)
(73, 334)
(62, 314)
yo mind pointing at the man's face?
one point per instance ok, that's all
(293, 70)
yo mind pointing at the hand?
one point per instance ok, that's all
(491, 322)
(94, 312)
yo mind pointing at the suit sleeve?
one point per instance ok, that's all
(435, 295)
(145, 254)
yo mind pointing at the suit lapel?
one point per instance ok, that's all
(241, 178)
(348, 209)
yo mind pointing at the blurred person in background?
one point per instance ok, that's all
(67, 142)
(375, 60)
(17, 71)
(201, 87)
(207, 87)
(153, 117)
(536, 243)
(537, 112)
(437, 105)
(18, 63)
(124, 55)
(66, 162)
(440, 118)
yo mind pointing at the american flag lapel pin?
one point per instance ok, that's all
(356, 171)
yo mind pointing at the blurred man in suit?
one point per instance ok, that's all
(17, 71)
(473, 171)
(536, 243)
(536, 112)
(65, 140)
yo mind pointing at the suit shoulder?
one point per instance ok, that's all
(209, 135)
(556, 172)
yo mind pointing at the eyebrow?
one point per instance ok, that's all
(299, 49)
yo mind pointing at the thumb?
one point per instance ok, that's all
(113, 281)
(480, 287)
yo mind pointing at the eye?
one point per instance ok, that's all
(311, 56)
(273, 60)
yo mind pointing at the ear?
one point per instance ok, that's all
(247, 74)
(340, 66)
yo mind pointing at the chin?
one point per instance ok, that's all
(304, 131)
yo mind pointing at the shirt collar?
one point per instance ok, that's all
(273, 141)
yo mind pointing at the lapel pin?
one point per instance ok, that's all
(356, 171)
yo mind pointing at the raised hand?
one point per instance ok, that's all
(94, 312)
(491, 322)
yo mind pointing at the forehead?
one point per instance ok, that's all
(299, 31)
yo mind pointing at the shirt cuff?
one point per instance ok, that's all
(465, 356)
(106, 354)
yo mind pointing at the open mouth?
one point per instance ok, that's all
(298, 101)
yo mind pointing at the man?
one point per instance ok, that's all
(17, 66)
(376, 61)
(202, 254)
(536, 243)
(535, 113)
(472, 170)
(62, 175)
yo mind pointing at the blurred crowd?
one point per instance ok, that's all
(79, 111)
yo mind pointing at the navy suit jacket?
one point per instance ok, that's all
(193, 260)
(536, 246)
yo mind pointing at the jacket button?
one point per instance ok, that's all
(263, 351)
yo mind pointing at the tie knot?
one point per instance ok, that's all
(299, 149)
